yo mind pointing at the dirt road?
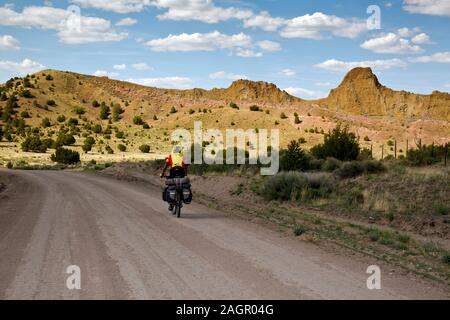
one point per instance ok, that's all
(129, 246)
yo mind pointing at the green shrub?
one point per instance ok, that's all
(120, 134)
(297, 186)
(104, 112)
(191, 111)
(65, 156)
(109, 150)
(137, 120)
(25, 114)
(121, 148)
(116, 112)
(26, 94)
(34, 144)
(340, 144)
(283, 116)
(97, 129)
(64, 139)
(95, 104)
(441, 210)
(72, 122)
(61, 118)
(234, 106)
(144, 148)
(374, 235)
(427, 155)
(331, 164)
(49, 78)
(46, 123)
(145, 126)
(173, 110)
(255, 108)
(51, 103)
(9, 165)
(79, 110)
(350, 169)
(446, 258)
(294, 158)
(299, 230)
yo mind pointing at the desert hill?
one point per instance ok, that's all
(375, 113)
(361, 93)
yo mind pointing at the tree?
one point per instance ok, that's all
(8, 111)
(65, 156)
(88, 143)
(294, 158)
(104, 112)
(116, 112)
(339, 144)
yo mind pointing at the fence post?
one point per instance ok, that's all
(407, 147)
(371, 151)
(395, 149)
(382, 152)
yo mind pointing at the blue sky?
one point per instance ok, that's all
(305, 47)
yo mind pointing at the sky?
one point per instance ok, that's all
(303, 46)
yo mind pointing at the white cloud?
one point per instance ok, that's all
(200, 42)
(422, 38)
(391, 43)
(120, 66)
(9, 43)
(248, 53)
(323, 84)
(430, 7)
(119, 6)
(21, 68)
(305, 93)
(264, 21)
(342, 66)
(102, 73)
(313, 26)
(440, 57)
(169, 82)
(200, 10)
(270, 46)
(141, 66)
(71, 28)
(226, 76)
(288, 72)
(125, 22)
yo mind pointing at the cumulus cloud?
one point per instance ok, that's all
(440, 57)
(166, 82)
(102, 73)
(391, 43)
(125, 22)
(141, 66)
(21, 68)
(264, 21)
(222, 75)
(312, 26)
(422, 38)
(119, 6)
(342, 66)
(316, 25)
(429, 7)
(248, 53)
(9, 43)
(200, 42)
(305, 93)
(288, 72)
(120, 66)
(71, 28)
(270, 46)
